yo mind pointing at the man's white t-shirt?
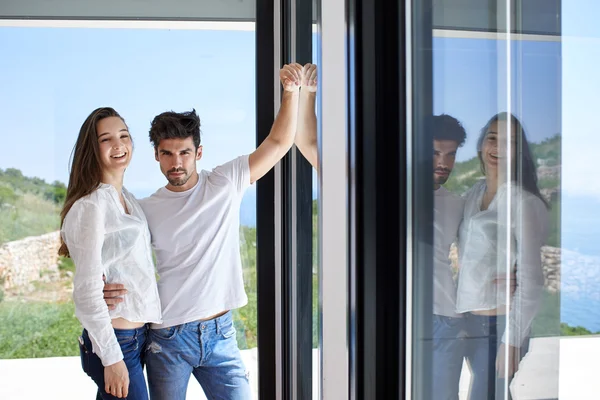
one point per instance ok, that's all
(448, 214)
(195, 235)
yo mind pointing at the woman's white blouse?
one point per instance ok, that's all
(104, 240)
(510, 233)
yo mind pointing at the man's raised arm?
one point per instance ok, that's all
(281, 137)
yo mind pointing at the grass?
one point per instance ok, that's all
(43, 329)
(66, 264)
(29, 216)
(34, 330)
(547, 323)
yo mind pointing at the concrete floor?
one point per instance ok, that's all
(556, 368)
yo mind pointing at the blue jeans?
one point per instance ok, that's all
(133, 342)
(208, 350)
(484, 336)
(448, 354)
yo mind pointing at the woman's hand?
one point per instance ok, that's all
(116, 379)
(309, 78)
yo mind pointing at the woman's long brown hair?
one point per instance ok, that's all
(86, 170)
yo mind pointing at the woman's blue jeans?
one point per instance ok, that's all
(133, 345)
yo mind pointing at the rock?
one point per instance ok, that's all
(24, 261)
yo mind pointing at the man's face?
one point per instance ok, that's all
(177, 158)
(444, 155)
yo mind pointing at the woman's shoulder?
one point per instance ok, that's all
(96, 199)
(474, 190)
(88, 209)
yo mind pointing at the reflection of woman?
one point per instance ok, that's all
(504, 226)
(105, 233)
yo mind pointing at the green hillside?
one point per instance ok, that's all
(29, 206)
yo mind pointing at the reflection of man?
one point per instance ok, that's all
(448, 136)
(194, 222)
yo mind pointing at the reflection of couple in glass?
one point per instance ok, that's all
(500, 225)
(181, 326)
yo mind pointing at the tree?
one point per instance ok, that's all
(13, 173)
(7, 195)
(56, 193)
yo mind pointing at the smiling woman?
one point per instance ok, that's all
(105, 233)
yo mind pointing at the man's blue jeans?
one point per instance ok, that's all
(133, 343)
(206, 349)
(448, 354)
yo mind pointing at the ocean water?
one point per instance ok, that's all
(580, 270)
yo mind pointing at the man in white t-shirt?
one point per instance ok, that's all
(194, 223)
(448, 346)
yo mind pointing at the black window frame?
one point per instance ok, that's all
(284, 298)
(390, 183)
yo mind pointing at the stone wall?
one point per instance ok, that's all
(26, 260)
(551, 263)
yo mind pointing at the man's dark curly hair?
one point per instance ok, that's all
(446, 127)
(172, 125)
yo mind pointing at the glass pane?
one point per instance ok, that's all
(516, 269)
(316, 380)
(52, 79)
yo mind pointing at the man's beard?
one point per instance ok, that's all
(178, 181)
(440, 180)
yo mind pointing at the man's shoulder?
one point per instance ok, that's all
(237, 162)
(154, 198)
(229, 173)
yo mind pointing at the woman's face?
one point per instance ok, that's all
(114, 143)
(494, 148)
